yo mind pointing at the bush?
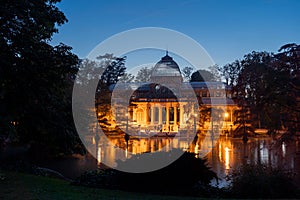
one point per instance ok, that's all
(180, 177)
(262, 181)
(104, 178)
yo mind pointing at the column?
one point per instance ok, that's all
(145, 115)
(152, 115)
(134, 115)
(160, 115)
(175, 127)
(167, 116)
(175, 115)
(181, 115)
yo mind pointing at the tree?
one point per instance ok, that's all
(267, 85)
(230, 72)
(249, 79)
(105, 70)
(253, 83)
(35, 77)
(287, 85)
(202, 75)
(144, 74)
(214, 70)
(127, 78)
(114, 68)
(187, 71)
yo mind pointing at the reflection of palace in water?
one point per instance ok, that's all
(166, 104)
(228, 153)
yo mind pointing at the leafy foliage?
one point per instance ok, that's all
(287, 67)
(261, 181)
(186, 72)
(230, 72)
(35, 77)
(104, 71)
(143, 75)
(202, 76)
(127, 78)
(268, 86)
(114, 68)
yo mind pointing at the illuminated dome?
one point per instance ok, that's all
(166, 67)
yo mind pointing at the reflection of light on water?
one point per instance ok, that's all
(168, 145)
(183, 145)
(228, 153)
(99, 156)
(175, 143)
(196, 150)
(220, 152)
(264, 152)
(227, 158)
(283, 147)
(93, 140)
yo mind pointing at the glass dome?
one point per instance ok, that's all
(166, 67)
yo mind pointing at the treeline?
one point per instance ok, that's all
(36, 80)
(268, 85)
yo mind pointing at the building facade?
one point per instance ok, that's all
(167, 104)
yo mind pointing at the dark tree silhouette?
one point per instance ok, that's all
(252, 84)
(35, 77)
(230, 72)
(285, 94)
(202, 76)
(114, 68)
(267, 85)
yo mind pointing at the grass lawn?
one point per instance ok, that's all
(25, 186)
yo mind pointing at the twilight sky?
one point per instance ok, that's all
(226, 29)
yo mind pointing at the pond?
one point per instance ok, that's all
(226, 155)
(229, 154)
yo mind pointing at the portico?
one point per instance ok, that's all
(164, 116)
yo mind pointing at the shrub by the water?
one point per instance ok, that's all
(262, 181)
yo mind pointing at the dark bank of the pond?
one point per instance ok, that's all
(18, 158)
(72, 166)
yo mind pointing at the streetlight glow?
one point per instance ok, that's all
(226, 114)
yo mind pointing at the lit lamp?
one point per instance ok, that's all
(226, 114)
